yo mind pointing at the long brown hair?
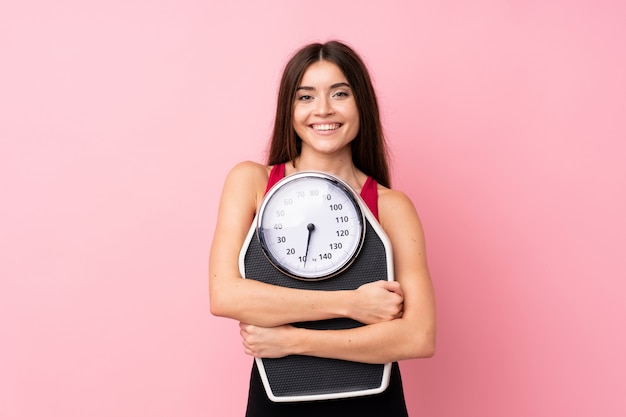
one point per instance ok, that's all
(369, 151)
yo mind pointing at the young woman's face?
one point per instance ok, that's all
(325, 114)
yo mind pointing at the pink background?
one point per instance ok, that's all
(120, 119)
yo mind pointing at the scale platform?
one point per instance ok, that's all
(307, 378)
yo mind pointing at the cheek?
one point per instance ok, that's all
(351, 111)
(356, 127)
(298, 127)
(354, 117)
(299, 115)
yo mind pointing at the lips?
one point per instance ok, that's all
(324, 127)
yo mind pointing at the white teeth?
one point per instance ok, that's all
(331, 126)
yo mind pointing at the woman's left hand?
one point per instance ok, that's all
(267, 342)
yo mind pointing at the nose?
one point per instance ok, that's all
(324, 106)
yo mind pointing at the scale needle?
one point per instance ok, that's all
(310, 227)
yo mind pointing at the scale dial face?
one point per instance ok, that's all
(311, 226)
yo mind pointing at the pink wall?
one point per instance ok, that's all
(120, 119)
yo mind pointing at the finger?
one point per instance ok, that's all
(393, 286)
(248, 351)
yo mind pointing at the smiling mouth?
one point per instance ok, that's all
(326, 126)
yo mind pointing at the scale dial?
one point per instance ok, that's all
(311, 225)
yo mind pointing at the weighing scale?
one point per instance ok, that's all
(313, 231)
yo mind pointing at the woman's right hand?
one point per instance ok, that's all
(377, 302)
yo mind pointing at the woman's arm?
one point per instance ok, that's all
(268, 305)
(409, 336)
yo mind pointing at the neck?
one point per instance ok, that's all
(339, 166)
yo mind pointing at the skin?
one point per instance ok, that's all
(400, 315)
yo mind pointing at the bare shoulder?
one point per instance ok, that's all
(247, 180)
(397, 212)
(391, 202)
(249, 171)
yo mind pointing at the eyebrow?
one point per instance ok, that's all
(332, 87)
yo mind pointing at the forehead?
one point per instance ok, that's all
(322, 74)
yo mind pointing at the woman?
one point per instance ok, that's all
(327, 120)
